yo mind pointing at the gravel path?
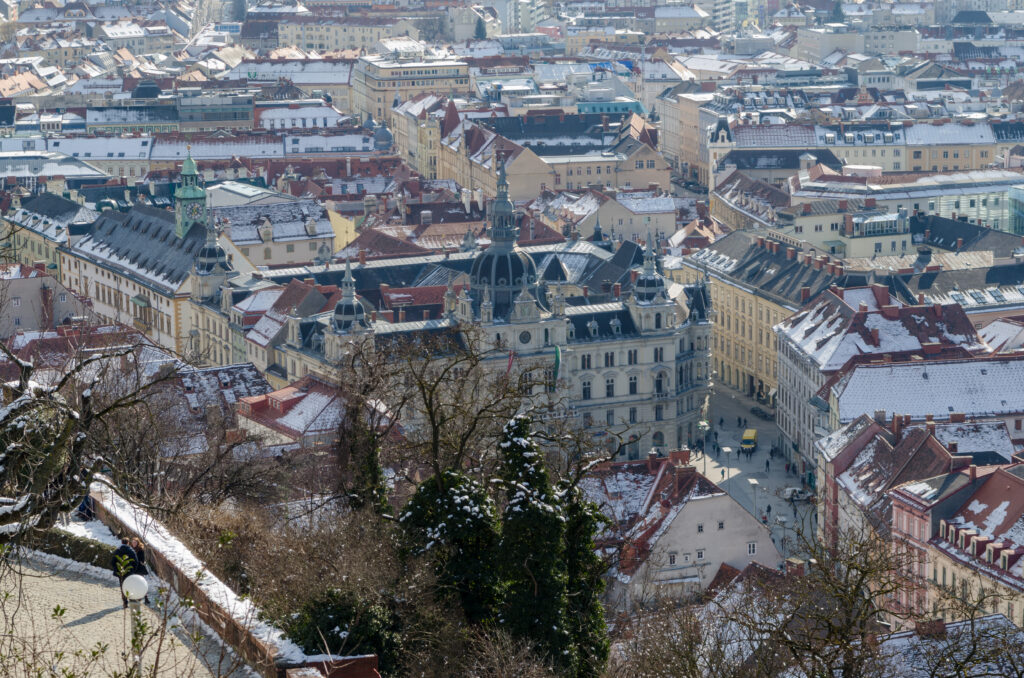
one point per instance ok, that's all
(93, 614)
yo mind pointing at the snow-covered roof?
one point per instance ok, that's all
(975, 387)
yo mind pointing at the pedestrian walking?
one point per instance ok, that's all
(721, 422)
(739, 422)
(769, 509)
(140, 560)
(723, 474)
(123, 563)
(716, 436)
(766, 466)
(794, 509)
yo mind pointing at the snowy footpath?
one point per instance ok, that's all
(93, 614)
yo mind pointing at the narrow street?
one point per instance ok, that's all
(737, 474)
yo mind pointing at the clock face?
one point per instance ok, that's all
(194, 211)
(524, 337)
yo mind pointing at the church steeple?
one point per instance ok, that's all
(189, 198)
(349, 313)
(504, 226)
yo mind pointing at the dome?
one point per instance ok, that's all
(209, 256)
(382, 138)
(649, 284)
(502, 268)
(647, 287)
(349, 313)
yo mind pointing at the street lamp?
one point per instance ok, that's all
(134, 587)
(703, 427)
(727, 451)
(753, 490)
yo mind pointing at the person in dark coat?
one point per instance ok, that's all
(140, 560)
(123, 563)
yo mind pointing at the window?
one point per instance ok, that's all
(659, 354)
(672, 559)
(700, 554)
(659, 412)
(585, 363)
(609, 359)
(721, 524)
(586, 390)
(289, 248)
(266, 253)
(63, 297)
(609, 417)
(650, 164)
(700, 527)
(751, 548)
(639, 164)
(631, 356)
(16, 302)
(632, 391)
(632, 415)
(609, 387)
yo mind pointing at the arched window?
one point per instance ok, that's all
(658, 439)
(659, 383)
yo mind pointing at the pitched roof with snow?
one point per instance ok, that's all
(832, 331)
(976, 387)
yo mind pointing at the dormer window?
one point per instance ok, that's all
(616, 326)
(570, 330)
(592, 328)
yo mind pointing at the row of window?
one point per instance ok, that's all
(660, 386)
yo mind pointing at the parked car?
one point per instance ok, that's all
(797, 494)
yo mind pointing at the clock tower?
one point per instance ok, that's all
(189, 199)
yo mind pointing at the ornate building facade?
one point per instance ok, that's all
(633, 354)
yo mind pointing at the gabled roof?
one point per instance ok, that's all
(641, 499)
(142, 244)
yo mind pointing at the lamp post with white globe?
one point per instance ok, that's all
(135, 587)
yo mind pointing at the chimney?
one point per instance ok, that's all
(401, 314)
(819, 263)
(869, 202)
(805, 294)
(796, 567)
(807, 208)
(586, 292)
(933, 628)
(683, 474)
(972, 472)
(880, 417)
(384, 289)
(875, 341)
(897, 427)
(362, 257)
(927, 234)
(807, 259)
(760, 242)
(848, 224)
(953, 447)
(862, 307)
(920, 298)
(652, 461)
(957, 417)
(890, 312)
(633, 275)
(790, 253)
(959, 243)
(842, 205)
(617, 290)
(937, 308)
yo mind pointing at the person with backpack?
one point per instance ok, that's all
(124, 563)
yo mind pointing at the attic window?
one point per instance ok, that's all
(616, 326)
(830, 138)
(592, 326)
(571, 330)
